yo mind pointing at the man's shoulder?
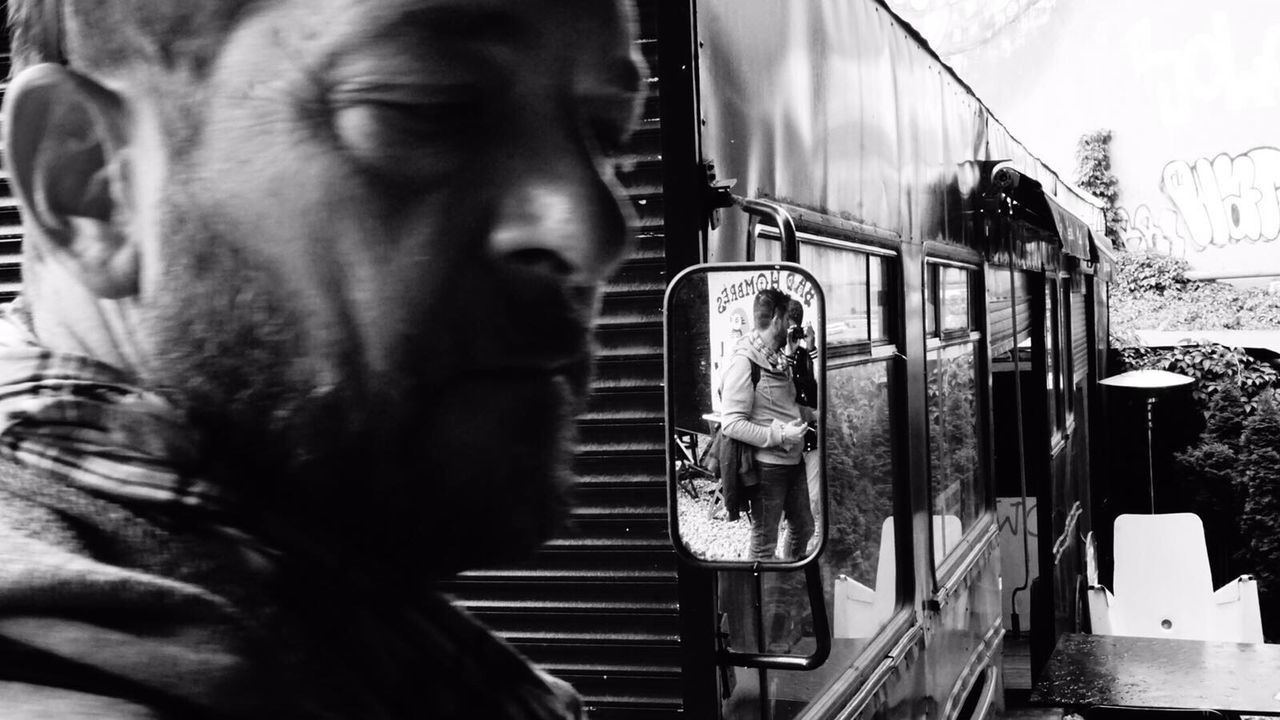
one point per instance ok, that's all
(744, 354)
(26, 701)
(24, 517)
(741, 368)
(748, 360)
(513, 686)
(78, 574)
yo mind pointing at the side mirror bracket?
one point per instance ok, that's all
(779, 661)
(709, 324)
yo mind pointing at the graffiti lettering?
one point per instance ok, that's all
(799, 288)
(1142, 232)
(1226, 200)
(796, 286)
(1012, 510)
(746, 288)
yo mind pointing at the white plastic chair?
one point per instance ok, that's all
(859, 610)
(1163, 587)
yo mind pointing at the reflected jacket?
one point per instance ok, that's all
(734, 463)
(756, 415)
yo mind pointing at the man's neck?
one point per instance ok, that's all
(68, 319)
(767, 340)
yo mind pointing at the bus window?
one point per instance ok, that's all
(1058, 343)
(858, 285)
(1009, 307)
(1055, 360)
(1067, 365)
(957, 490)
(953, 286)
(932, 278)
(859, 574)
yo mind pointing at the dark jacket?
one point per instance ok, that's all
(734, 462)
(119, 612)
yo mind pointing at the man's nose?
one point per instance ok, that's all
(557, 213)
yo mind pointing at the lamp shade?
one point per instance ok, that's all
(1147, 380)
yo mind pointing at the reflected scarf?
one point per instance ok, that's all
(778, 361)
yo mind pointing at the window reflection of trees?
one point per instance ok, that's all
(953, 442)
(860, 290)
(860, 471)
(954, 286)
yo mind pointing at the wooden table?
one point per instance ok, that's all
(1089, 670)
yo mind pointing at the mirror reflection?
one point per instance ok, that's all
(744, 401)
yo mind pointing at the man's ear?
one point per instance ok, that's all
(67, 144)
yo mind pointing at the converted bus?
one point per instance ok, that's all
(963, 333)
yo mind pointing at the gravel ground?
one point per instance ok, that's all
(708, 532)
(711, 535)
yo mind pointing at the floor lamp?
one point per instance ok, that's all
(1149, 385)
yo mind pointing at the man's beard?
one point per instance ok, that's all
(409, 473)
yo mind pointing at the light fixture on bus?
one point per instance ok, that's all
(1005, 176)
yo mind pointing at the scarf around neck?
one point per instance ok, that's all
(776, 360)
(91, 424)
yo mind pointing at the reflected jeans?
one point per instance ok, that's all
(783, 493)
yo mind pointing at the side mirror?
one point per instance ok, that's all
(746, 481)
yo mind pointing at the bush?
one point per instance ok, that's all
(1230, 476)
(1138, 272)
(1151, 292)
(1215, 368)
(1093, 174)
(1204, 478)
(1258, 485)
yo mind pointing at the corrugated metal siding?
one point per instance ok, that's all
(1001, 317)
(10, 222)
(1002, 322)
(598, 606)
(1079, 334)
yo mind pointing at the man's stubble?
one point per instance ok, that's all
(429, 475)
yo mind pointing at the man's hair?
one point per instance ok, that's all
(769, 304)
(107, 35)
(795, 312)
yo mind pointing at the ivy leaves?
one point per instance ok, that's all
(1093, 174)
(1215, 368)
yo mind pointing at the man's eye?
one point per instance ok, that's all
(404, 136)
(606, 135)
(610, 120)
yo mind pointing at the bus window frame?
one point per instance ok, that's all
(890, 351)
(871, 346)
(935, 331)
(1065, 284)
(1061, 382)
(950, 570)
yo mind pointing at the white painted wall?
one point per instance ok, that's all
(1191, 90)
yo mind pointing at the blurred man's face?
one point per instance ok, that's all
(376, 267)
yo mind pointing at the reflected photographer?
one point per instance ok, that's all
(764, 414)
(800, 346)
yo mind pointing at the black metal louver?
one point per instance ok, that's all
(598, 605)
(10, 221)
(1079, 334)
